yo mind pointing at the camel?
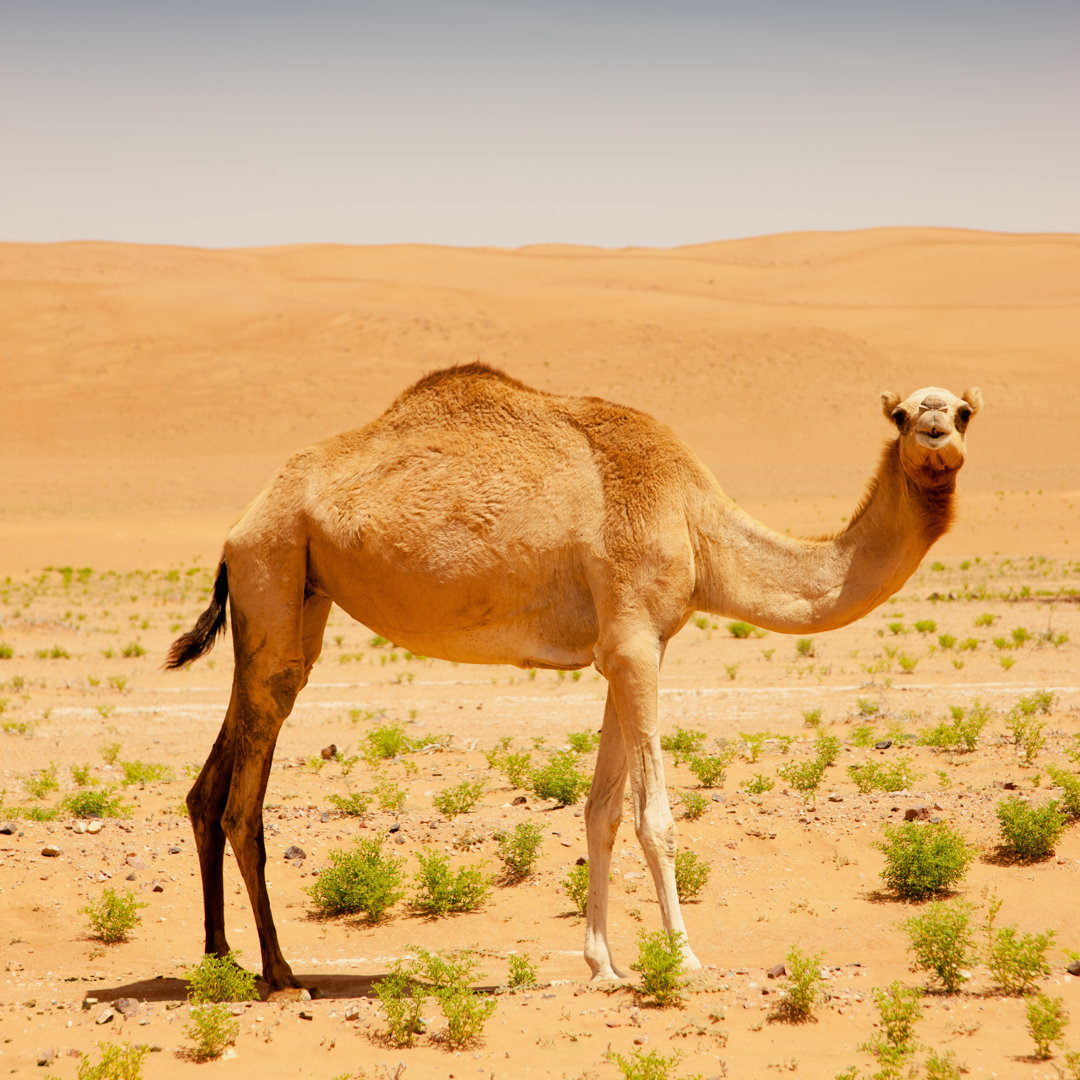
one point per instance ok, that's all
(481, 521)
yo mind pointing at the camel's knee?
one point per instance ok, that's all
(603, 817)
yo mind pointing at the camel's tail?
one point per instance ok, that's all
(190, 646)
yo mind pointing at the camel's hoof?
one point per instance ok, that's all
(608, 974)
(294, 993)
(690, 962)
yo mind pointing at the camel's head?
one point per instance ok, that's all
(932, 423)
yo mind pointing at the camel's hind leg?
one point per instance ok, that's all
(277, 634)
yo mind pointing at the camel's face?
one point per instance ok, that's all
(932, 423)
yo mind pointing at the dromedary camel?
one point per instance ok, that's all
(482, 521)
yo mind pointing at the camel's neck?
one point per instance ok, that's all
(747, 571)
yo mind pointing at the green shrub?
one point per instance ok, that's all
(355, 804)
(109, 751)
(740, 629)
(1070, 786)
(212, 1028)
(87, 804)
(560, 780)
(113, 917)
(519, 849)
(943, 1066)
(922, 860)
(694, 805)
(805, 647)
(387, 741)
(691, 874)
(133, 648)
(877, 776)
(82, 776)
(216, 979)
(1015, 959)
(943, 942)
(682, 744)
(441, 892)
(961, 734)
(466, 1012)
(645, 1064)
(710, 769)
(925, 626)
(804, 987)
(894, 1042)
(363, 881)
(118, 1062)
(583, 742)
(402, 999)
(143, 772)
(803, 776)
(42, 783)
(521, 971)
(757, 785)
(459, 799)
(576, 884)
(1027, 833)
(660, 960)
(1046, 1020)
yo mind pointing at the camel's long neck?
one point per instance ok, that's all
(747, 571)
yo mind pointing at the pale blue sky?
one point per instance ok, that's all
(615, 123)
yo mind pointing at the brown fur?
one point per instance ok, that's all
(482, 521)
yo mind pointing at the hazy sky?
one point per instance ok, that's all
(236, 122)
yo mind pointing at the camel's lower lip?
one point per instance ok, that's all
(931, 442)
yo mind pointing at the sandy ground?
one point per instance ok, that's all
(147, 394)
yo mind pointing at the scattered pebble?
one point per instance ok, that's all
(50, 851)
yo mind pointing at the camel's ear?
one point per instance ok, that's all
(973, 397)
(889, 402)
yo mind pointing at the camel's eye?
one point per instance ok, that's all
(899, 416)
(963, 414)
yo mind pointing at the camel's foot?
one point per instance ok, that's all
(690, 961)
(607, 972)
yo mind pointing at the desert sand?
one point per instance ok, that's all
(149, 392)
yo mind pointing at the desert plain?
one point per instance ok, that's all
(147, 393)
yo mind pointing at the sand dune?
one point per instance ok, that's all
(155, 385)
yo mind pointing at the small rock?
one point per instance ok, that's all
(519, 801)
(175, 850)
(79, 827)
(50, 851)
(917, 813)
(581, 861)
(294, 852)
(328, 753)
(324, 817)
(131, 876)
(777, 971)
(352, 1013)
(127, 1006)
(883, 744)
(835, 797)
(156, 886)
(106, 1017)
(47, 1056)
(7, 828)
(1010, 785)
(1074, 968)
(93, 826)
(135, 862)
(394, 827)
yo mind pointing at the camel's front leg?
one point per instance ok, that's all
(632, 669)
(603, 812)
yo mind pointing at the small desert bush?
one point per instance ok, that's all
(41, 783)
(894, 1043)
(691, 874)
(660, 960)
(521, 972)
(877, 776)
(682, 744)
(803, 989)
(922, 859)
(576, 884)
(519, 849)
(1029, 833)
(516, 767)
(645, 1064)
(464, 1010)
(459, 799)
(740, 629)
(113, 917)
(212, 1028)
(758, 784)
(560, 780)
(583, 742)
(1015, 959)
(146, 772)
(803, 776)
(387, 741)
(402, 999)
(439, 891)
(694, 805)
(710, 769)
(1046, 1020)
(355, 804)
(119, 1061)
(363, 881)
(216, 979)
(1070, 787)
(943, 942)
(961, 733)
(94, 803)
